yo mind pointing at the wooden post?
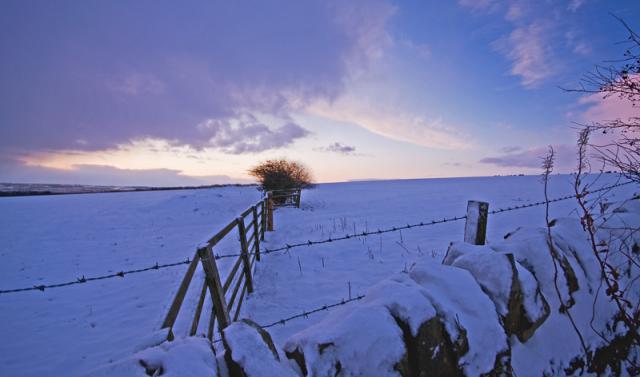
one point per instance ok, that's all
(245, 253)
(263, 220)
(170, 319)
(215, 288)
(198, 313)
(269, 211)
(298, 195)
(475, 228)
(256, 232)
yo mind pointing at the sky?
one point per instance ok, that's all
(197, 92)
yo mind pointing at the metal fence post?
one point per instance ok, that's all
(475, 228)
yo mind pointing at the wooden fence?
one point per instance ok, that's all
(227, 295)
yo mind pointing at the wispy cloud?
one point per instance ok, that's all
(597, 108)
(576, 43)
(338, 147)
(392, 122)
(528, 49)
(574, 5)
(480, 5)
(531, 158)
(511, 149)
(532, 40)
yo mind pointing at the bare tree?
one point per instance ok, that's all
(281, 175)
(619, 79)
(616, 144)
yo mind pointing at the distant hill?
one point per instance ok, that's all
(29, 189)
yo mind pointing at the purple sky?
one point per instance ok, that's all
(97, 91)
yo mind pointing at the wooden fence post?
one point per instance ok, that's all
(270, 211)
(215, 288)
(475, 228)
(245, 253)
(256, 232)
(263, 219)
(298, 195)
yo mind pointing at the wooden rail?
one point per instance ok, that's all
(226, 295)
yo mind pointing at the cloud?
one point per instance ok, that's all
(338, 148)
(511, 149)
(595, 108)
(245, 134)
(480, 5)
(531, 45)
(528, 50)
(16, 172)
(104, 73)
(574, 5)
(577, 44)
(421, 50)
(391, 122)
(532, 158)
(598, 108)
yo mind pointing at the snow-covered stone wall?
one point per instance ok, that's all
(499, 309)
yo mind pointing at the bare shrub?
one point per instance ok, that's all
(280, 175)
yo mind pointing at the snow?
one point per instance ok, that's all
(251, 352)
(183, 357)
(532, 300)
(364, 341)
(492, 271)
(50, 239)
(459, 299)
(71, 331)
(404, 299)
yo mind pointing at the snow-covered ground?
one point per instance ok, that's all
(69, 331)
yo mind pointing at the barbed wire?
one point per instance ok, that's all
(348, 236)
(567, 197)
(287, 247)
(306, 314)
(84, 279)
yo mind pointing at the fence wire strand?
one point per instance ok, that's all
(288, 247)
(347, 237)
(83, 279)
(306, 314)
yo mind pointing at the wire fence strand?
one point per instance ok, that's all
(307, 313)
(83, 279)
(348, 236)
(288, 247)
(567, 197)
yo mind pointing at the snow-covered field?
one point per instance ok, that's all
(69, 331)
